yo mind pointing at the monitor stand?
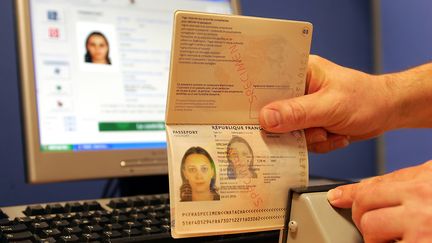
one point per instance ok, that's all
(143, 185)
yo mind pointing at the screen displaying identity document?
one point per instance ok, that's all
(228, 175)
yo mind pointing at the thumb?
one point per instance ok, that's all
(296, 113)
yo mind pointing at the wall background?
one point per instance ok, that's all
(406, 42)
(342, 33)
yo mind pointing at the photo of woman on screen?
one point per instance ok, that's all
(198, 173)
(240, 159)
(97, 49)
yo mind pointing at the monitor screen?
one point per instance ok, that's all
(94, 82)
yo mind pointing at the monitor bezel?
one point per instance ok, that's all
(45, 167)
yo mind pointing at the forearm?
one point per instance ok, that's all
(411, 92)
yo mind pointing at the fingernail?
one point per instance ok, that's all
(333, 195)
(272, 118)
(341, 143)
(321, 137)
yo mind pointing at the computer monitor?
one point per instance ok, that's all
(94, 76)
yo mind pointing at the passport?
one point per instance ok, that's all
(226, 174)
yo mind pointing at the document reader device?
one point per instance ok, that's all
(311, 218)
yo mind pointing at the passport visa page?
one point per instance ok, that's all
(228, 175)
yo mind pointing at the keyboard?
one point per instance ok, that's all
(127, 219)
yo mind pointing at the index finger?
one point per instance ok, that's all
(343, 196)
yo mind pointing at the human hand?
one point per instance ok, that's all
(395, 206)
(341, 105)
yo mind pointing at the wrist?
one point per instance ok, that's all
(397, 117)
(410, 97)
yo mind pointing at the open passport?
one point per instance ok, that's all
(227, 175)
